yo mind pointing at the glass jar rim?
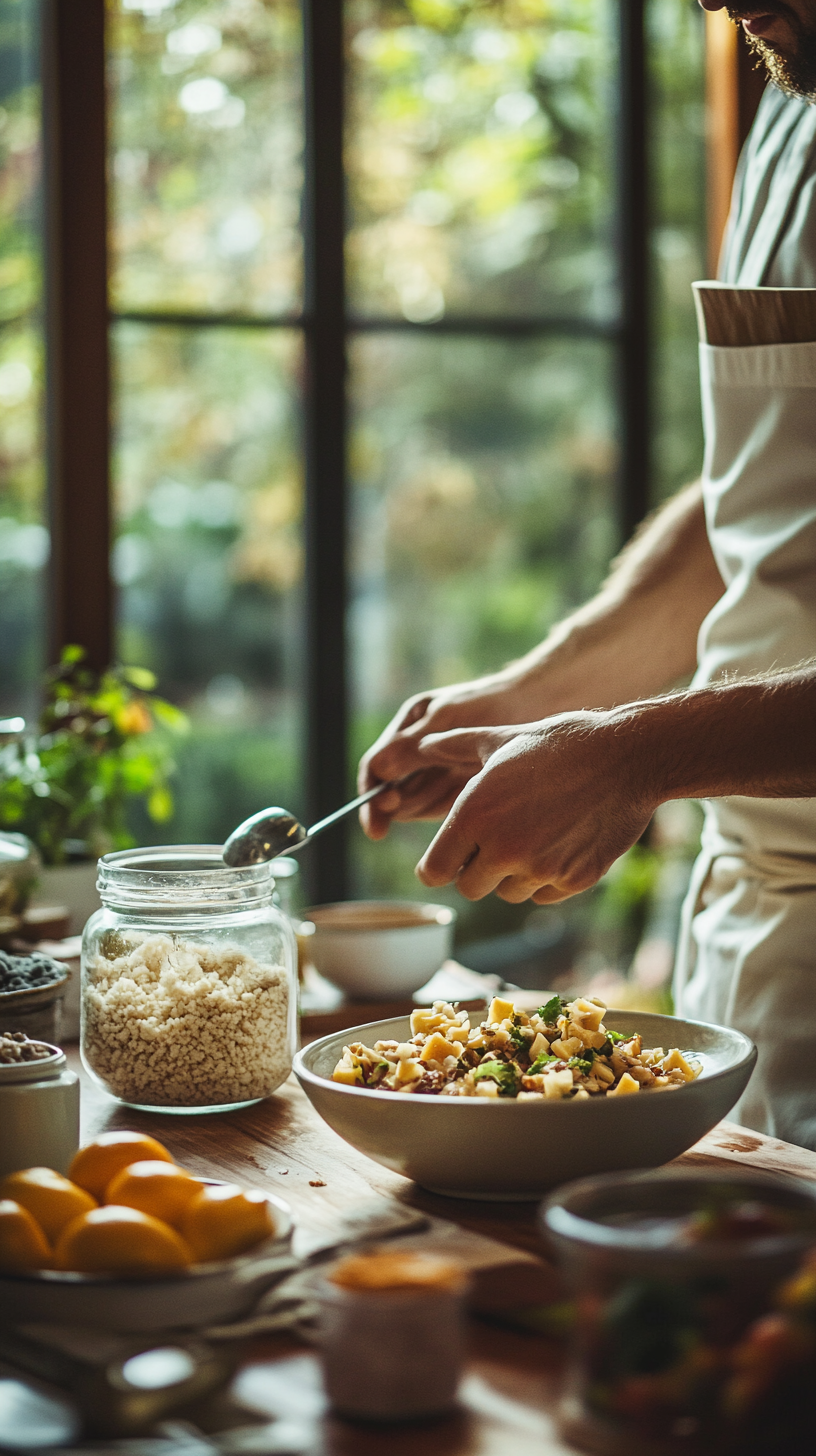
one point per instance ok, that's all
(182, 877)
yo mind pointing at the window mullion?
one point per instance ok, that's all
(77, 367)
(325, 442)
(633, 243)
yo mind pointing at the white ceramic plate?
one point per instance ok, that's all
(203, 1295)
(474, 1147)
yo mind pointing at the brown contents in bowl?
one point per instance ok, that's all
(16, 1047)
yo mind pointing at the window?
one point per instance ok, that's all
(335, 482)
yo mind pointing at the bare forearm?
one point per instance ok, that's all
(639, 634)
(755, 737)
(549, 806)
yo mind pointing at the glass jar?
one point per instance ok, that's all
(189, 989)
(689, 1335)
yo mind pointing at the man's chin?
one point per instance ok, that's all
(794, 74)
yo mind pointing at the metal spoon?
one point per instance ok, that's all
(271, 832)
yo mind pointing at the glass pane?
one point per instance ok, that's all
(23, 534)
(677, 67)
(206, 166)
(479, 157)
(208, 558)
(483, 509)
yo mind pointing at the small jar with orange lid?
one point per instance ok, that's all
(392, 1334)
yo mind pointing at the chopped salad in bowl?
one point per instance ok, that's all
(562, 1051)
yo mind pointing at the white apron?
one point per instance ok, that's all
(747, 953)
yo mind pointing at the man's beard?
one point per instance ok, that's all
(795, 73)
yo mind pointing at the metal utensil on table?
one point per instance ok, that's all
(273, 832)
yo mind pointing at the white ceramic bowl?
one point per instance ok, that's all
(474, 1147)
(361, 946)
(205, 1294)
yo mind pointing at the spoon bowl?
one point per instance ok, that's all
(264, 836)
(272, 832)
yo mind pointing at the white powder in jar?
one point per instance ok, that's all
(177, 1024)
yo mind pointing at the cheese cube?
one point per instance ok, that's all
(409, 1071)
(486, 1089)
(676, 1059)
(587, 1012)
(436, 1049)
(566, 1047)
(557, 1084)
(626, 1085)
(498, 1010)
(540, 1046)
(352, 1076)
(425, 1019)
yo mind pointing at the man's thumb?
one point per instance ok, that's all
(461, 747)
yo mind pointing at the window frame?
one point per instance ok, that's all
(82, 598)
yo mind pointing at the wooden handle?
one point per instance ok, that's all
(734, 318)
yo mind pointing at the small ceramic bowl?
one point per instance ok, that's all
(497, 1148)
(205, 1294)
(37, 1012)
(380, 948)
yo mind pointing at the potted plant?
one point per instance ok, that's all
(102, 741)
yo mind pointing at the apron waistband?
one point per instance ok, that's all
(780, 871)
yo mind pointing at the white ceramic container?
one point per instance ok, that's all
(39, 1114)
(391, 1355)
(497, 1148)
(206, 1294)
(380, 948)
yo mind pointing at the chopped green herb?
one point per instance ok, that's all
(501, 1072)
(584, 1066)
(618, 1036)
(552, 1010)
(540, 1063)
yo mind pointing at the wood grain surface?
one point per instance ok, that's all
(738, 317)
(510, 1390)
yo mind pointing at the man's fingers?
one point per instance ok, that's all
(445, 856)
(426, 794)
(551, 894)
(461, 747)
(515, 889)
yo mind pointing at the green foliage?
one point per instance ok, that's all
(98, 747)
(551, 1012)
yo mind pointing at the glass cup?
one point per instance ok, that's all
(189, 991)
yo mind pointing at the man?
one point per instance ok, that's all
(550, 769)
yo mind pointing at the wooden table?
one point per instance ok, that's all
(509, 1390)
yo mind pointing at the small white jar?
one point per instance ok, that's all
(39, 1114)
(393, 1347)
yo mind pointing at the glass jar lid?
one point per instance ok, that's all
(181, 877)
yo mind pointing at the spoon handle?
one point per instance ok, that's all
(346, 809)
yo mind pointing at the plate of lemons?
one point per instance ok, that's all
(128, 1240)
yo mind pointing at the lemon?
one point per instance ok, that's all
(114, 1240)
(100, 1160)
(51, 1199)
(222, 1220)
(23, 1244)
(160, 1189)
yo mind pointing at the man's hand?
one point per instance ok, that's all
(396, 754)
(637, 636)
(548, 807)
